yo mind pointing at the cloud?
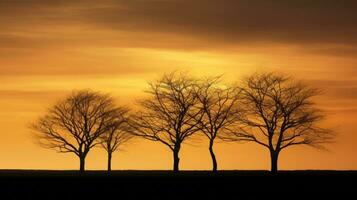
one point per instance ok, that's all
(347, 92)
(222, 21)
(336, 93)
(48, 37)
(245, 21)
(344, 50)
(7, 94)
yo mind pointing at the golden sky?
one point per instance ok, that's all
(49, 48)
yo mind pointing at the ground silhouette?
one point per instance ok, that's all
(161, 184)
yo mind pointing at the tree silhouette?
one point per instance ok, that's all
(168, 115)
(117, 134)
(279, 113)
(219, 105)
(74, 124)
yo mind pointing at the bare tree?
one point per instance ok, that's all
(279, 113)
(219, 104)
(168, 115)
(74, 124)
(117, 135)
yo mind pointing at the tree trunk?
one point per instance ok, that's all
(274, 161)
(214, 161)
(82, 163)
(176, 160)
(109, 162)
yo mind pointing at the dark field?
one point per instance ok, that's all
(165, 184)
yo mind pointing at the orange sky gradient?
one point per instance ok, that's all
(49, 48)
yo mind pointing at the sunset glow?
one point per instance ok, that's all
(50, 48)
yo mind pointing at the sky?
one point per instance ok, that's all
(50, 48)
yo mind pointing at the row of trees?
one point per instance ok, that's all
(269, 109)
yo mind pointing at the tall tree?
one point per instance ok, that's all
(74, 124)
(219, 105)
(117, 135)
(279, 113)
(168, 114)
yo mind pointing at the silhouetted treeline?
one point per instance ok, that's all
(269, 109)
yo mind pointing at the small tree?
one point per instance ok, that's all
(117, 135)
(168, 115)
(219, 105)
(74, 124)
(279, 113)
